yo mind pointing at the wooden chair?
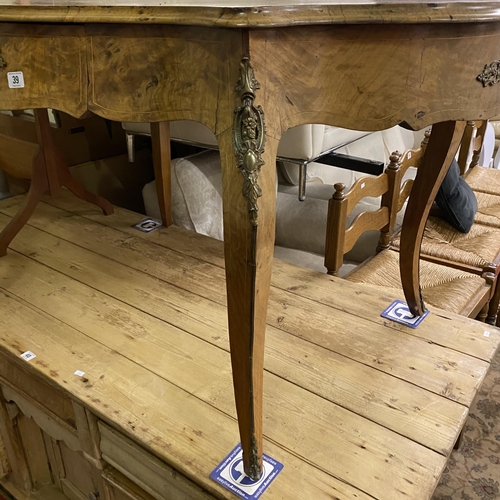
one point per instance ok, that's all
(479, 178)
(477, 251)
(444, 287)
(485, 182)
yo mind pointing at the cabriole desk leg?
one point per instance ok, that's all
(249, 199)
(443, 145)
(49, 173)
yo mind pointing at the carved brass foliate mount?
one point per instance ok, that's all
(249, 135)
(490, 74)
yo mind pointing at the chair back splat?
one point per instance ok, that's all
(339, 239)
(472, 142)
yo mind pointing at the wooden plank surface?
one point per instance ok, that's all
(427, 365)
(464, 335)
(390, 401)
(438, 372)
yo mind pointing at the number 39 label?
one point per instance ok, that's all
(15, 79)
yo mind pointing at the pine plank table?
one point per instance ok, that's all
(249, 72)
(356, 407)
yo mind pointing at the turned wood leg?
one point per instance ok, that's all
(49, 172)
(160, 139)
(249, 200)
(494, 303)
(482, 313)
(443, 145)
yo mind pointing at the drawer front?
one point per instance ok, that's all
(30, 387)
(47, 66)
(152, 475)
(156, 73)
(119, 487)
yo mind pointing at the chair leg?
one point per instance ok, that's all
(483, 313)
(494, 304)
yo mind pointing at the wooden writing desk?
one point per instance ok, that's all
(356, 407)
(249, 73)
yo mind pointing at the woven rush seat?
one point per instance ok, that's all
(477, 251)
(478, 248)
(442, 287)
(485, 180)
(488, 209)
(480, 179)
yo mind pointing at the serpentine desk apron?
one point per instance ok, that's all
(249, 72)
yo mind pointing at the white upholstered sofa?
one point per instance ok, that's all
(298, 147)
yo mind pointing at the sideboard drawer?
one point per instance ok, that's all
(49, 66)
(42, 395)
(119, 487)
(151, 474)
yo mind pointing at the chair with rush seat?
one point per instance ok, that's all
(476, 251)
(444, 287)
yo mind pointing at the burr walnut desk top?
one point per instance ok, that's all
(358, 64)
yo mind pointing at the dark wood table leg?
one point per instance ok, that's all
(49, 173)
(160, 139)
(38, 187)
(443, 145)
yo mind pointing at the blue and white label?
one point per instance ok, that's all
(147, 225)
(230, 474)
(399, 311)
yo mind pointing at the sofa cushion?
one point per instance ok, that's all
(196, 194)
(456, 200)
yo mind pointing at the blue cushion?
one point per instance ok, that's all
(456, 200)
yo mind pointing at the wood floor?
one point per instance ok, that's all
(355, 406)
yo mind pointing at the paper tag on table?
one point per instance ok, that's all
(28, 355)
(15, 79)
